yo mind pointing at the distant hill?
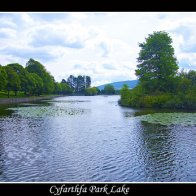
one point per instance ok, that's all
(118, 85)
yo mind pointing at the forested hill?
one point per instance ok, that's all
(118, 85)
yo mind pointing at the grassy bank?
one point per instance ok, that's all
(4, 94)
(20, 98)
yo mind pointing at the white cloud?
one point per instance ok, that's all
(102, 45)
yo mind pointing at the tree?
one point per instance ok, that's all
(35, 84)
(23, 75)
(3, 78)
(33, 66)
(109, 89)
(72, 82)
(125, 95)
(63, 81)
(58, 88)
(88, 82)
(48, 82)
(65, 88)
(13, 80)
(80, 83)
(91, 91)
(191, 75)
(157, 65)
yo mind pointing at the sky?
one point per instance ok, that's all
(103, 45)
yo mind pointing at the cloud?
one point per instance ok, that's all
(77, 66)
(189, 48)
(3, 35)
(162, 16)
(6, 22)
(27, 53)
(183, 30)
(102, 45)
(187, 64)
(52, 39)
(71, 35)
(105, 49)
(108, 66)
(50, 16)
(7, 32)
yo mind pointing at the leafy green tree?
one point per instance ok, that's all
(157, 64)
(48, 82)
(33, 66)
(58, 88)
(23, 75)
(65, 88)
(191, 75)
(31, 84)
(63, 81)
(109, 89)
(125, 95)
(13, 80)
(91, 91)
(98, 91)
(3, 78)
(35, 84)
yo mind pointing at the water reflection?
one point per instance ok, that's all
(157, 143)
(105, 143)
(164, 159)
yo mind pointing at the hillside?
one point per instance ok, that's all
(118, 85)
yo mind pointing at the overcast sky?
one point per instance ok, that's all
(101, 45)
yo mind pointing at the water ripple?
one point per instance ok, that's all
(93, 139)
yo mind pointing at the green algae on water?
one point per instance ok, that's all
(170, 118)
(47, 111)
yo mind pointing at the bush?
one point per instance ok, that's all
(91, 91)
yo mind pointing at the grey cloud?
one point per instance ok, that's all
(25, 53)
(188, 48)
(44, 38)
(186, 32)
(184, 63)
(183, 30)
(108, 66)
(187, 64)
(77, 66)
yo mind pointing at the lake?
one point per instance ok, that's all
(93, 139)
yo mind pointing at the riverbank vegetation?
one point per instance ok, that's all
(161, 85)
(108, 90)
(35, 80)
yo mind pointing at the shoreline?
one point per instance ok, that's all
(26, 99)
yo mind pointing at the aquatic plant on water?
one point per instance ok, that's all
(170, 118)
(47, 111)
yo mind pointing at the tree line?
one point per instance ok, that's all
(34, 79)
(160, 85)
(108, 90)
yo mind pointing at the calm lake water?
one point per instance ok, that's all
(92, 139)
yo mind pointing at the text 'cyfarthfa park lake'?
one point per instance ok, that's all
(94, 139)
